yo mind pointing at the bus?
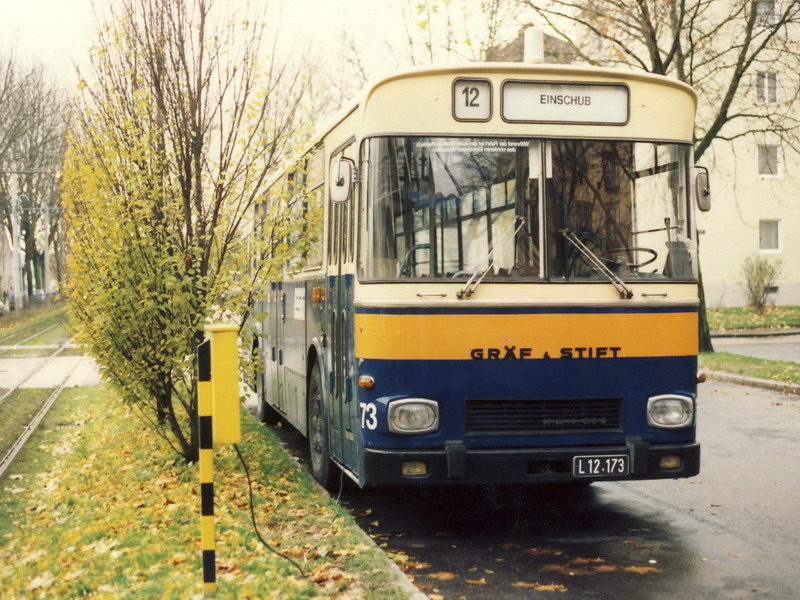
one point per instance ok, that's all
(502, 286)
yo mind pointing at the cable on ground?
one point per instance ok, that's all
(253, 516)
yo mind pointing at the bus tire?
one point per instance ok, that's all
(319, 453)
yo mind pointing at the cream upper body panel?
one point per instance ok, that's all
(422, 102)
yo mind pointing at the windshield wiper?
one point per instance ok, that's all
(475, 280)
(597, 263)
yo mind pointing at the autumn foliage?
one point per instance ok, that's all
(177, 129)
(118, 516)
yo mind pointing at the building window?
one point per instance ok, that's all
(769, 235)
(766, 13)
(769, 160)
(767, 87)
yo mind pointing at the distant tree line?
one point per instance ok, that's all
(33, 123)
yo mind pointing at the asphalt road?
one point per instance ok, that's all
(729, 533)
(784, 347)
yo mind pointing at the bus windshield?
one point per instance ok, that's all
(513, 208)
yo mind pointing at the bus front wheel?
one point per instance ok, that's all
(321, 466)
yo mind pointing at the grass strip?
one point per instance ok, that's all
(27, 352)
(33, 318)
(55, 336)
(16, 412)
(99, 505)
(772, 317)
(777, 370)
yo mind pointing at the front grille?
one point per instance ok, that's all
(493, 416)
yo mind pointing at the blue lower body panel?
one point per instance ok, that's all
(525, 421)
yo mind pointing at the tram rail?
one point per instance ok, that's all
(24, 333)
(29, 429)
(33, 372)
(20, 410)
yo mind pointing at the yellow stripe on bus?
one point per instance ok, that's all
(527, 336)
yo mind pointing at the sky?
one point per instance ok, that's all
(53, 32)
(58, 33)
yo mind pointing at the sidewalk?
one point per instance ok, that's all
(82, 372)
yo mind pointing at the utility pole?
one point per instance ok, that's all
(16, 267)
(46, 278)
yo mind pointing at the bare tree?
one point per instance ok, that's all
(10, 122)
(39, 152)
(719, 48)
(32, 141)
(437, 31)
(429, 31)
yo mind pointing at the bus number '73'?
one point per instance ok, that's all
(369, 416)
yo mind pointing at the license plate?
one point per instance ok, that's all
(600, 466)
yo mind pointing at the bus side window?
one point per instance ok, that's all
(313, 207)
(313, 219)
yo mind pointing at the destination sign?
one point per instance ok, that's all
(539, 102)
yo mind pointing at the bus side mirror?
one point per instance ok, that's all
(341, 179)
(702, 189)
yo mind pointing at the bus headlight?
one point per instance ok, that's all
(413, 415)
(670, 411)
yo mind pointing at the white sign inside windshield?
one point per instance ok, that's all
(471, 144)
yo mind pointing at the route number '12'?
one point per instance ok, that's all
(471, 95)
(472, 99)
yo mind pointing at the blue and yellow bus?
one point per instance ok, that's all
(502, 286)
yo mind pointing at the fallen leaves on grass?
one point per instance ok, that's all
(41, 582)
(118, 515)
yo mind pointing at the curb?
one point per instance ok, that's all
(766, 384)
(754, 333)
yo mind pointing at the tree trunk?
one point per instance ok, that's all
(704, 333)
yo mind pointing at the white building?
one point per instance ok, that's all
(755, 178)
(755, 210)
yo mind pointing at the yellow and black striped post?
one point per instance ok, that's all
(219, 422)
(207, 537)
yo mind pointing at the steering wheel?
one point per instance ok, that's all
(409, 264)
(628, 250)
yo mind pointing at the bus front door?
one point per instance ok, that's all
(276, 318)
(337, 329)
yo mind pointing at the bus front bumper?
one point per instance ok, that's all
(457, 464)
